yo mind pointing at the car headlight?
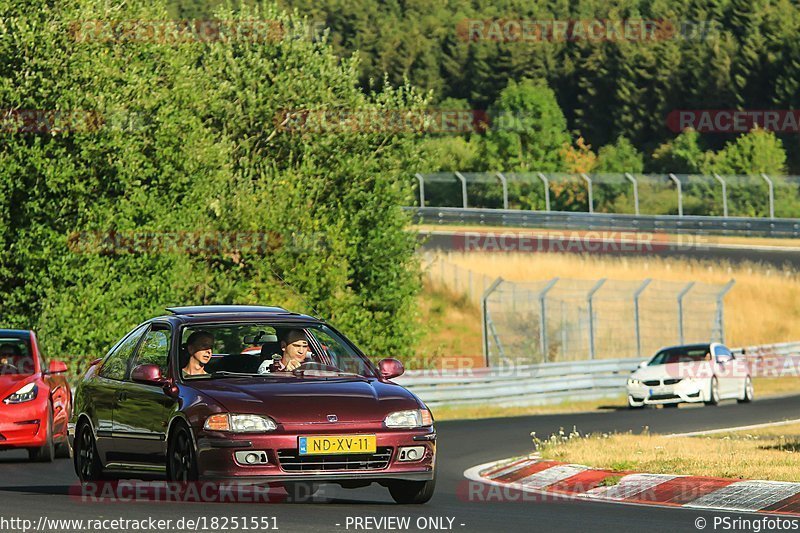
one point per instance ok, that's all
(633, 382)
(240, 423)
(413, 418)
(25, 394)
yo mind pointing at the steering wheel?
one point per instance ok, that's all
(4, 366)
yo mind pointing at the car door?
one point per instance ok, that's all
(103, 389)
(724, 371)
(141, 412)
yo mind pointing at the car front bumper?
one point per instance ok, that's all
(217, 461)
(683, 392)
(23, 425)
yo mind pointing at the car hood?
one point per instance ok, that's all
(309, 400)
(9, 383)
(698, 369)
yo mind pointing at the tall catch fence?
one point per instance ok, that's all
(560, 319)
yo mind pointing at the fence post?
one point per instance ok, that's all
(635, 192)
(589, 188)
(680, 193)
(589, 298)
(546, 190)
(421, 179)
(680, 309)
(636, 295)
(463, 187)
(720, 309)
(543, 318)
(485, 317)
(724, 194)
(771, 196)
(505, 189)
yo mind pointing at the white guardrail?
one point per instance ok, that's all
(549, 383)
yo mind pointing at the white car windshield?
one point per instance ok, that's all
(682, 354)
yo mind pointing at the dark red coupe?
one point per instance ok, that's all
(36, 400)
(256, 395)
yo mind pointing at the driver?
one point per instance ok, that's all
(295, 352)
(199, 346)
(8, 356)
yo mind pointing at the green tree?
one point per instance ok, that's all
(619, 157)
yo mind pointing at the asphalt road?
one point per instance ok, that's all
(32, 490)
(451, 239)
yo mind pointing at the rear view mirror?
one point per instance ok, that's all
(390, 368)
(56, 367)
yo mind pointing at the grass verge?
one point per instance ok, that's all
(765, 453)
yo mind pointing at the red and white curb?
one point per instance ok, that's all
(561, 480)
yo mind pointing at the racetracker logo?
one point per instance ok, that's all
(176, 31)
(381, 121)
(49, 121)
(513, 30)
(734, 120)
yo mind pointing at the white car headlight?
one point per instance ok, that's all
(24, 394)
(633, 382)
(413, 418)
(240, 423)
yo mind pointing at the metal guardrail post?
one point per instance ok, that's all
(421, 179)
(485, 316)
(771, 196)
(589, 298)
(546, 190)
(543, 318)
(724, 194)
(680, 309)
(720, 308)
(636, 295)
(680, 193)
(635, 192)
(504, 181)
(463, 187)
(589, 188)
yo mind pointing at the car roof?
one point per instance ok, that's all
(235, 313)
(18, 333)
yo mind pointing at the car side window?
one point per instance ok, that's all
(154, 349)
(116, 365)
(337, 353)
(723, 353)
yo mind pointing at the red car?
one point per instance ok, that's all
(36, 400)
(252, 416)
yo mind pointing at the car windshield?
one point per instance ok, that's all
(15, 356)
(280, 351)
(682, 354)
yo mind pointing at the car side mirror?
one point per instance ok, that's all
(149, 374)
(643, 364)
(56, 367)
(390, 368)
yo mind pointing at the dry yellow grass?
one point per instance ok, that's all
(765, 453)
(763, 307)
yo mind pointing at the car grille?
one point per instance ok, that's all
(290, 461)
(652, 383)
(664, 397)
(671, 381)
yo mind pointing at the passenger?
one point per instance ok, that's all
(295, 352)
(199, 347)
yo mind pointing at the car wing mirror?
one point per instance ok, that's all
(149, 374)
(643, 364)
(390, 368)
(56, 367)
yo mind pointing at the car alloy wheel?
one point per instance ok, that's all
(87, 461)
(182, 465)
(714, 392)
(748, 391)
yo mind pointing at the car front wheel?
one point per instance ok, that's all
(713, 393)
(748, 394)
(181, 457)
(46, 452)
(412, 492)
(87, 460)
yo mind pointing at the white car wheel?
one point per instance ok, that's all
(748, 393)
(713, 392)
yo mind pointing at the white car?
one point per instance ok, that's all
(691, 373)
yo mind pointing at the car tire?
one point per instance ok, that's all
(181, 456)
(748, 394)
(412, 492)
(63, 449)
(713, 392)
(299, 491)
(46, 452)
(86, 457)
(632, 405)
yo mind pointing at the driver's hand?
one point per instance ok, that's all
(291, 365)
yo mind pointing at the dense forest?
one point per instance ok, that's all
(613, 93)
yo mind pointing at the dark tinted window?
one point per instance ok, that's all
(682, 354)
(154, 349)
(116, 364)
(15, 356)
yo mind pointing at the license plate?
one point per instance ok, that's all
(336, 444)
